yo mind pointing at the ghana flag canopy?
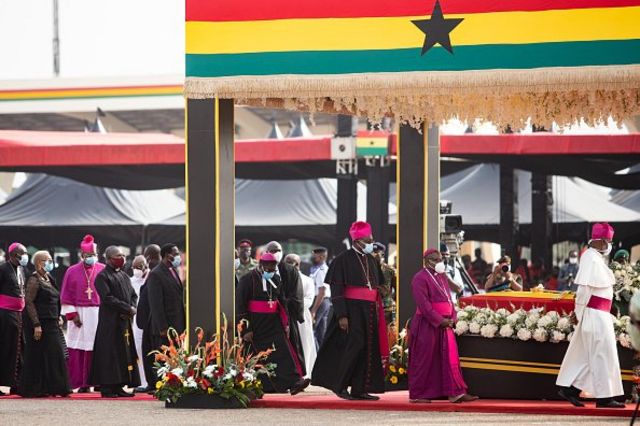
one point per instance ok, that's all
(502, 60)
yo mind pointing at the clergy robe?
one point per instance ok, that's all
(79, 297)
(114, 355)
(305, 328)
(352, 358)
(268, 330)
(591, 362)
(294, 302)
(137, 283)
(434, 365)
(12, 282)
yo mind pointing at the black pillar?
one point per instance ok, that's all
(378, 179)
(347, 209)
(347, 206)
(541, 218)
(410, 169)
(509, 212)
(210, 175)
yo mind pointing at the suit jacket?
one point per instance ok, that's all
(143, 316)
(166, 300)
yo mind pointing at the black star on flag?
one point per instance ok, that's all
(436, 29)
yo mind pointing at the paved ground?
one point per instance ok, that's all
(59, 412)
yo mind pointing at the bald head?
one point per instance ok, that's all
(293, 260)
(112, 252)
(152, 254)
(139, 262)
(275, 248)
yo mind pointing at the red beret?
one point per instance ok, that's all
(268, 257)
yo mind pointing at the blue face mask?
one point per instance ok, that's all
(91, 260)
(268, 275)
(48, 266)
(24, 260)
(368, 248)
(177, 260)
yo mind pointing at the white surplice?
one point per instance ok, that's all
(591, 362)
(306, 328)
(136, 283)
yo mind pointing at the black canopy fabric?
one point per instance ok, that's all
(51, 211)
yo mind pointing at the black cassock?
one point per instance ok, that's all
(294, 300)
(351, 358)
(114, 351)
(267, 329)
(12, 281)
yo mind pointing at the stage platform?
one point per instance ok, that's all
(398, 401)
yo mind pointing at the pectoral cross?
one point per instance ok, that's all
(126, 336)
(271, 303)
(89, 292)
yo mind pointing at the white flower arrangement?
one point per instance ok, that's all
(540, 334)
(506, 330)
(489, 331)
(524, 325)
(524, 334)
(462, 327)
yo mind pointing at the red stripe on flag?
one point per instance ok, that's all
(256, 10)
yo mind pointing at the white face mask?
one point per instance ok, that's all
(440, 268)
(137, 273)
(573, 260)
(236, 263)
(606, 251)
(278, 256)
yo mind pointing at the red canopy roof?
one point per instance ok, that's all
(30, 149)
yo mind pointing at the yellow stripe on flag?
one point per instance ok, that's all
(399, 33)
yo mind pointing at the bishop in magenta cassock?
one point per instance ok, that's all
(80, 304)
(434, 366)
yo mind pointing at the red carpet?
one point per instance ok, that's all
(399, 401)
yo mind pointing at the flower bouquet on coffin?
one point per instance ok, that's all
(397, 375)
(211, 374)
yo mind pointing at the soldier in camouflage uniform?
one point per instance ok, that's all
(247, 263)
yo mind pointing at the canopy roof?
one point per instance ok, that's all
(422, 60)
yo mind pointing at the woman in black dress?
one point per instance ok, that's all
(44, 371)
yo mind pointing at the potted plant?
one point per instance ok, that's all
(397, 376)
(211, 374)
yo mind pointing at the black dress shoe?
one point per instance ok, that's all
(300, 385)
(143, 389)
(2, 393)
(344, 395)
(122, 394)
(610, 404)
(365, 397)
(84, 389)
(566, 393)
(108, 394)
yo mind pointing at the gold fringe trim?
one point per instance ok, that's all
(562, 95)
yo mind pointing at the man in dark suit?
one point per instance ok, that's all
(166, 296)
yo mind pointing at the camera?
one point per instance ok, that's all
(505, 267)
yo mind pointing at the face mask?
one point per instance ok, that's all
(368, 248)
(267, 275)
(278, 256)
(573, 260)
(24, 260)
(176, 261)
(606, 251)
(48, 266)
(118, 262)
(236, 264)
(91, 260)
(1, 259)
(439, 268)
(137, 273)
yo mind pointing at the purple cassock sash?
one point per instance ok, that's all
(11, 303)
(369, 295)
(599, 303)
(275, 307)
